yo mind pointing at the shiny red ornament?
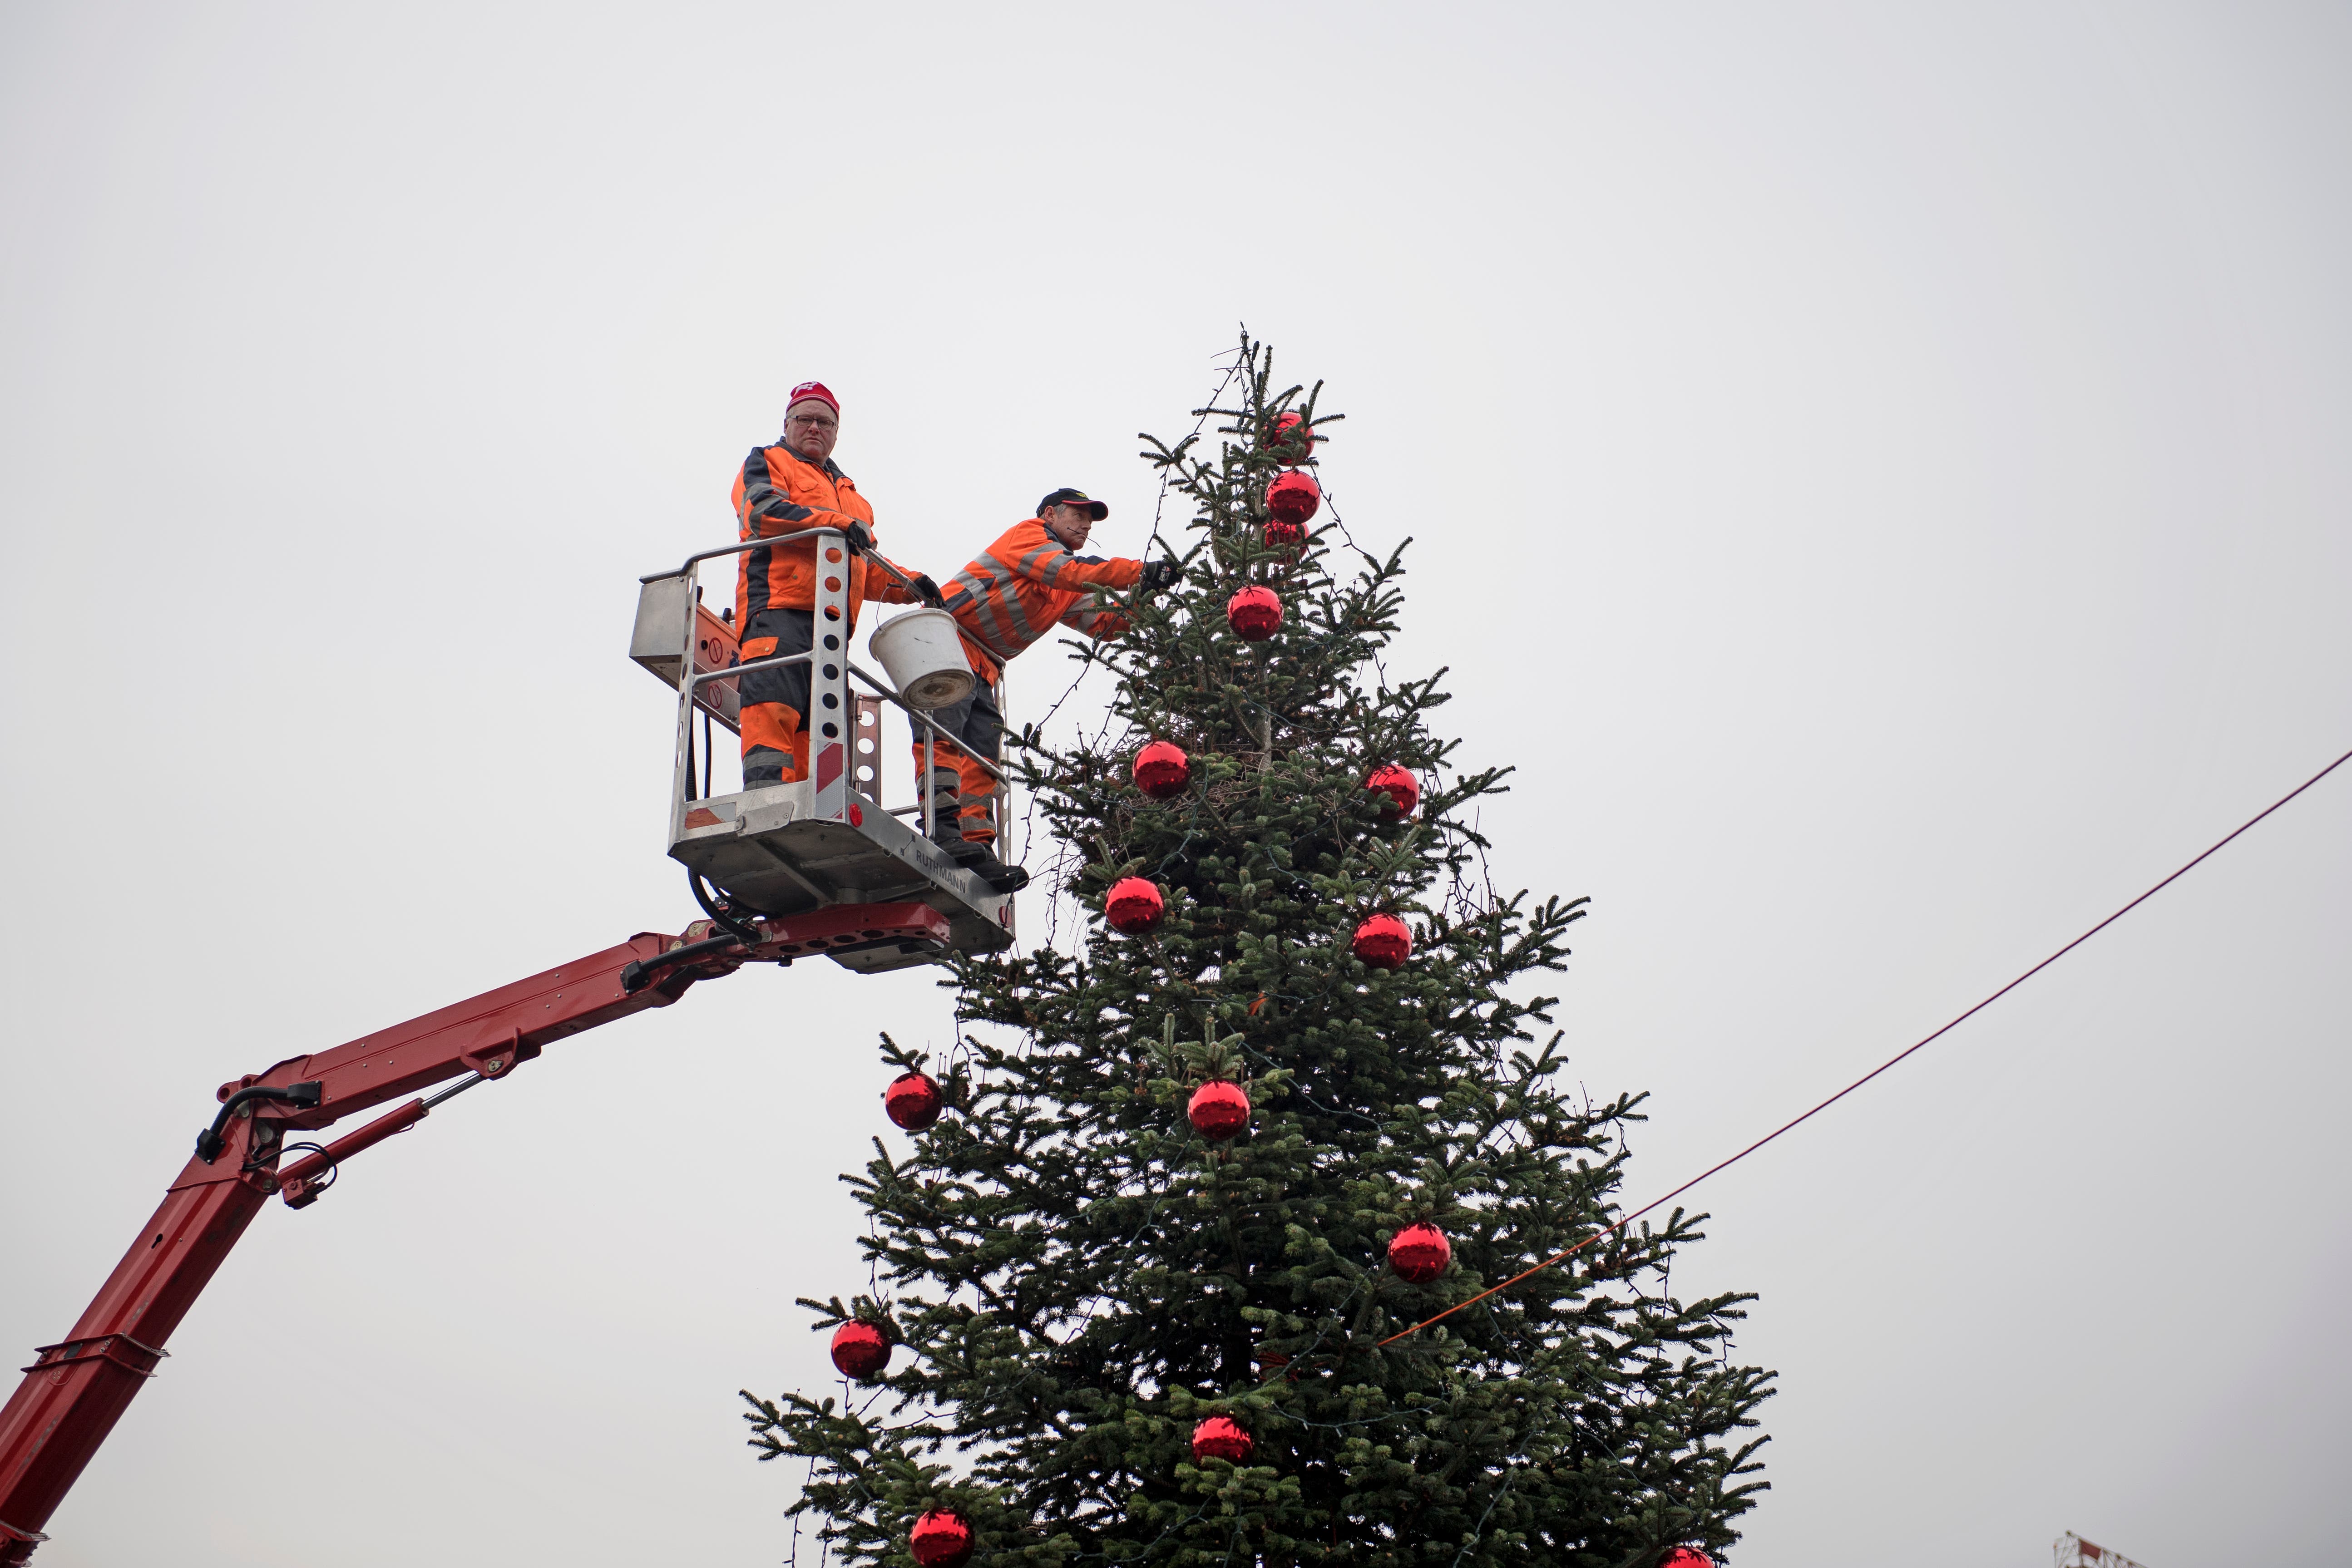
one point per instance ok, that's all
(940, 1538)
(1218, 1110)
(1254, 612)
(1383, 941)
(1420, 1253)
(1134, 904)
(1162, 769)
(1287, 432)
(1685, 1557)
(860, 1349)
(1280, 535)
(1220, 1437)
(912, 1101)
(1293, 497)
(1401, 786)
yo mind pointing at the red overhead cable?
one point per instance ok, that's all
(1890, 1062)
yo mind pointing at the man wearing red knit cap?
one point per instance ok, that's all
(784, 489)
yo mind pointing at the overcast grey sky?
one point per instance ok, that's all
(1879, 472)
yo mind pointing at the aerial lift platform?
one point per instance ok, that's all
(826, 839)
(820, 867)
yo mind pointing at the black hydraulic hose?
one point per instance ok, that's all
(330, 1173)
(210, 1142)
(719, 916)
(638, 974)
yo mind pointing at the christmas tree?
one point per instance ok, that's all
(1153, 1273)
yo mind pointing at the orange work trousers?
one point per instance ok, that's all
(976, 726)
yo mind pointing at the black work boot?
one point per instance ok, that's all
(946, 819)
(984, 865)
(999, 876)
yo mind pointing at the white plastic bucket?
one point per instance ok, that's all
(921, 653)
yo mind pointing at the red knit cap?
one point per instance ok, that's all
(818, 391)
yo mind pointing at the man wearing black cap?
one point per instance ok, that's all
(1018, 589)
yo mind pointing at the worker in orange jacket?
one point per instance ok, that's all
(1019, 589)
(784, 489)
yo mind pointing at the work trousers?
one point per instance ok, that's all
(775, 701)
(976, 726)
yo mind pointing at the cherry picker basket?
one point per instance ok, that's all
(822, 841)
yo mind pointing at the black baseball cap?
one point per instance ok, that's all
(1066, 496)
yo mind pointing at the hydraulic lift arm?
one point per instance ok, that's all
(77, 1389)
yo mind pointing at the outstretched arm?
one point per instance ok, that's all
(1048, 563)
(1096, 619)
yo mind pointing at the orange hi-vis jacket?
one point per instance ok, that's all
(1024, 586)
(780, 492)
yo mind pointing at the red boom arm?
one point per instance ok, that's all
(78, 1388)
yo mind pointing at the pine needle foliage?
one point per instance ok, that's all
(1074, 1277)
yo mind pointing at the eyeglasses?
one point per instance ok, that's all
(812, 422)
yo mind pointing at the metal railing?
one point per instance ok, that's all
(827, 691)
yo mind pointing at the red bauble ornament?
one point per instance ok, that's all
(1254, 612)
(1293, 496)
(940, 1538)
(860, 1349)
(1134, 904)
(1218, 1110)
(1286, 432)
(1401, 786)
(1383, 942)
(1685, 1557)
(1219, 1438)
(1284, 536)
(912, 1101)
(1420, 1253)
(1162, 769)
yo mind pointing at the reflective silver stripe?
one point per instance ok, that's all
(1005, 598)
(1019, 615)
(977, 587)
(994, 644)
(983, 626)
(1056, 557)
(994, 605)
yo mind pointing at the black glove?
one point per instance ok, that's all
(861, 537)
(1159, 574)
(928, 592)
